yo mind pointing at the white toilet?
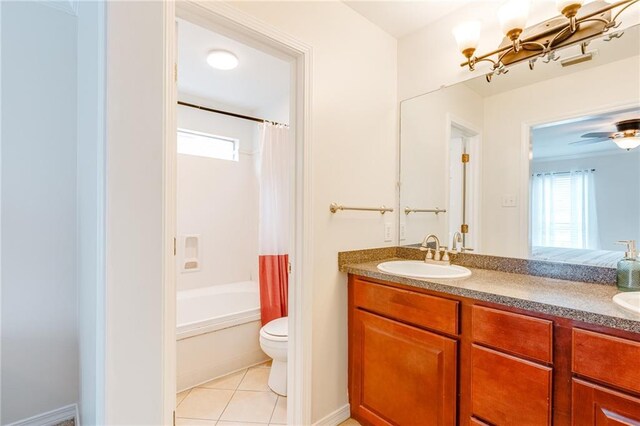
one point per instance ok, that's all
(273, 341)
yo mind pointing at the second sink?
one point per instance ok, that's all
(420, 269)
(629, 301)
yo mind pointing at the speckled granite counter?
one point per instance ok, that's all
(580, 301)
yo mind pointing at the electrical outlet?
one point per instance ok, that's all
(509, 200)
(403, 231)
(388, 232)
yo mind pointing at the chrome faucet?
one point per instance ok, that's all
(434, 257)
(457, 239)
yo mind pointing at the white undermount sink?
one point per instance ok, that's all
(629, 301)
(420, 269)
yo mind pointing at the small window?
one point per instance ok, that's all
(205, 145)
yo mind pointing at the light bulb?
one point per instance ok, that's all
(513, 16)
(222, 60)
(467, 35)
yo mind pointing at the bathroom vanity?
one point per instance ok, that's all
(492, 349)
(511, 170)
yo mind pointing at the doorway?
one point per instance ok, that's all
(226, 22)
(464, 171)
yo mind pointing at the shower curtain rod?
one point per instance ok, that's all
(231, 114)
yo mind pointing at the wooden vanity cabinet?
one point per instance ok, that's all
(399, 373)
(511, 373)
(417, 357)
(507, 390)
(613, 362)
(404, 375)
(597, 405)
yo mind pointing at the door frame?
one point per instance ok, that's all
(475, 172)
(250, 30)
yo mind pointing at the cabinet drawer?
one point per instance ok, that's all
(431, 312)
(506, 390)
(514, 333)
(608, 359)
(595, 405)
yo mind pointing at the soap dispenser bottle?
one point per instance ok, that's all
(629, 268)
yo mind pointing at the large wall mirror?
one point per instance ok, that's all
(530, 165)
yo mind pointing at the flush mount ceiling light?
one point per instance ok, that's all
(577, 24)
(222, 60)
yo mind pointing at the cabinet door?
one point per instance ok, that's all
(401, 375)
(506, 390)
(595, 405)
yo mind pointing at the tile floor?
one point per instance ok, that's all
(241, 398)
(238, 399)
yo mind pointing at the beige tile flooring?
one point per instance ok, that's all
(238, 399)
(350, 422)
(241, 398)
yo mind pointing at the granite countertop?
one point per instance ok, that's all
(580, 301)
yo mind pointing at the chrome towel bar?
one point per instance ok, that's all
(437, 210)
(334, 207)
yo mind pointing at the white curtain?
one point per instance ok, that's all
(274, 224)
(563, 210)
(274, 176)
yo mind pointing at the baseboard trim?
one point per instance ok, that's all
(51, 418)
(335, 418)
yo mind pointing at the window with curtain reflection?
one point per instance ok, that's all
(563, 210)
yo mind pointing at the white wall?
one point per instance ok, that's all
(278, 111)
(505, 162)
(218, 200)
(39, 291)
(135, 298)
(354, 134)
(616, 189)
(425, 131)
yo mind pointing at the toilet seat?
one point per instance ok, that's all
(276, 330)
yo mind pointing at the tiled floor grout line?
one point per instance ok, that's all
(185, 397)
(274, 409)
(232, 395)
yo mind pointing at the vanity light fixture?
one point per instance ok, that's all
(222, 60)
(578, 23)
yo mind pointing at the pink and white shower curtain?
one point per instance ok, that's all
(274, 225)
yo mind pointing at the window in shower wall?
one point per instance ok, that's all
(206, 145)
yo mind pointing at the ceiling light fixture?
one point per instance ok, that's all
(578, 24)
(627, 142)
(222, 60)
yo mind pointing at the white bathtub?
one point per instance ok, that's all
(218, 331)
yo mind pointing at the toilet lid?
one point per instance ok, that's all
(278, 327)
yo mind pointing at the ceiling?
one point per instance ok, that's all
(554, 139)
(401, 17)
(259, 82)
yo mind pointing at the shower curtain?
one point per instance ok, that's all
(274, 177)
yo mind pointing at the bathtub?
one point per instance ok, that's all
(218, 330)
